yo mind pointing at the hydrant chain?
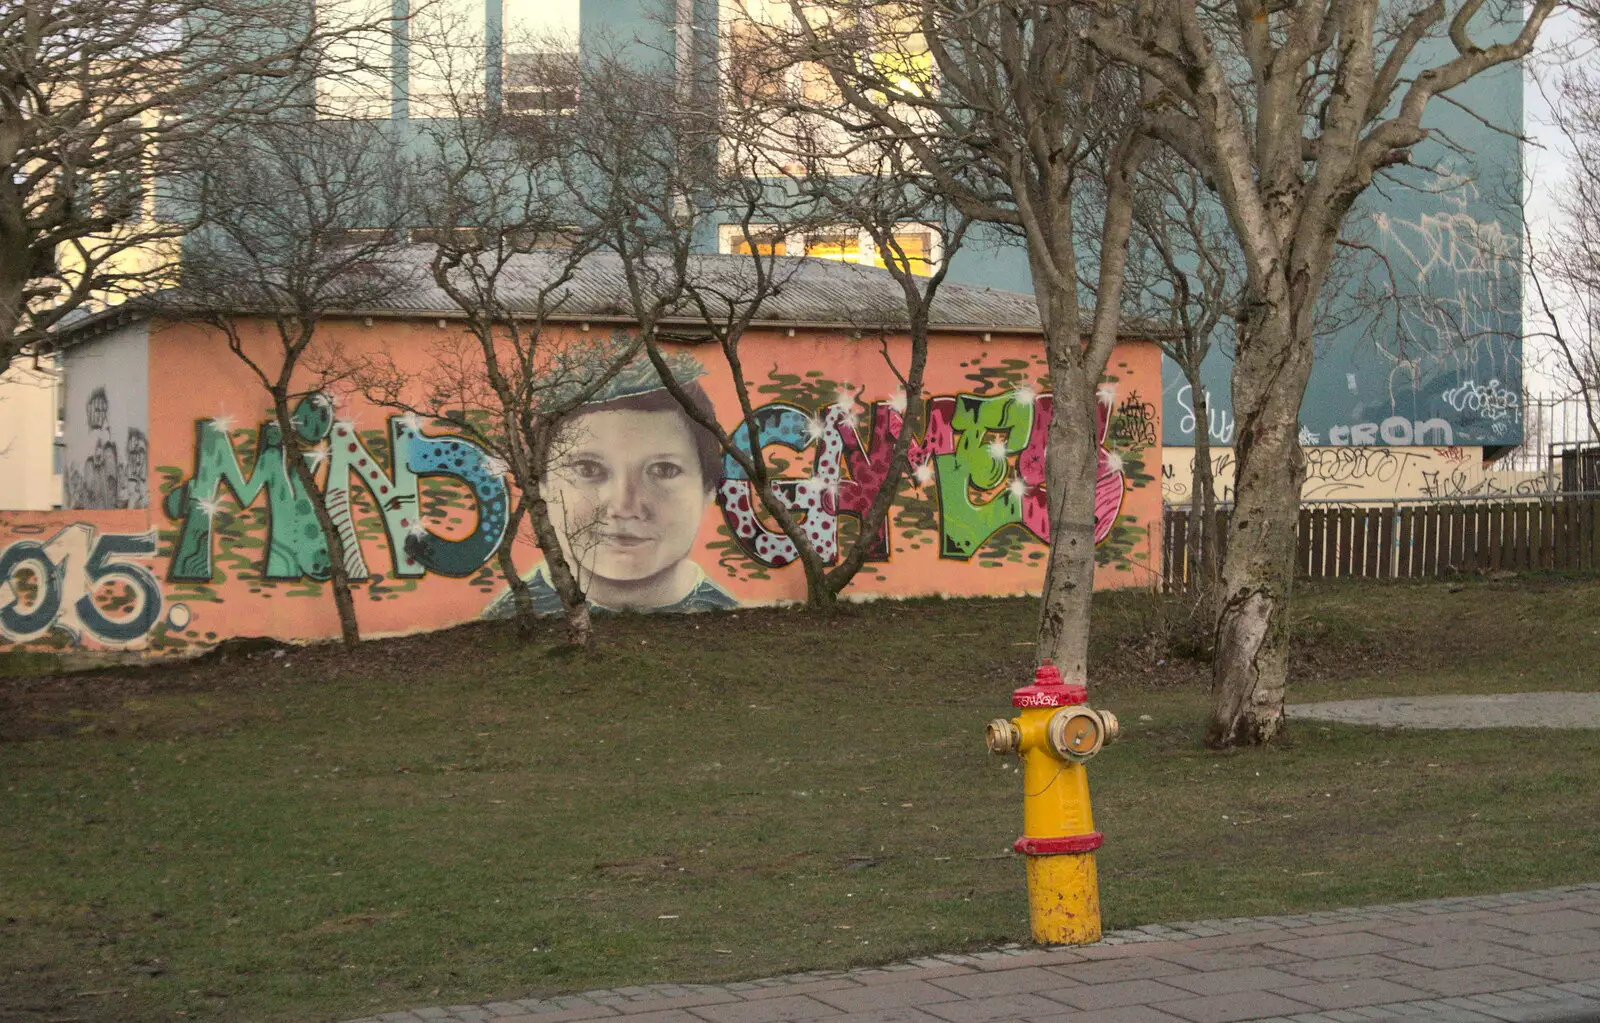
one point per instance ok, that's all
(1053, 779)
(1055, 735)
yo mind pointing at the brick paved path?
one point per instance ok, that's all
(1533, 956)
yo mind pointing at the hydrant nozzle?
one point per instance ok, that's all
(1055, 735)
(1003, 736)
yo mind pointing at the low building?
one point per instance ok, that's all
(186, 527)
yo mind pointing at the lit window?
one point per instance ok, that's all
(354, 80)
(538, 40)
(755, 35)
(769, 245)
(843, 245)
(917, 247)
(446, 58)
(732, 239)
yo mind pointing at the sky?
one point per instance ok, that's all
(1545, 165)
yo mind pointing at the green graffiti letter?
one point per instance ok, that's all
(295, 546)
(979, 491)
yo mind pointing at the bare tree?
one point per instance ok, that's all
(504, 251)
(1289, 110)
(1184, 275)
(646, 179)
(1000, 105)
(300, 220)
(737, 166)
(100, 103)
(880, 193)
(1565, 273)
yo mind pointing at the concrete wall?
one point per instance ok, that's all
(227, 544)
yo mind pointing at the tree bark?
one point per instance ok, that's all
(574, 602)
(521, 595)
(819, 595)
(1072, 458)
(1202, 531)
(13, 285)
(1271, 369)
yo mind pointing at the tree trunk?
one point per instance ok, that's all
(1202, 538)
(12, 286)
(1271, 368)
(819, 595)
(521, 595)
(574, 602)
(1210, 538)
(579, 628)
(338, 575)
(911, 425)
(1072, 458)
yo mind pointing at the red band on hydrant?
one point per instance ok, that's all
(1048, 690)
(1055, 846)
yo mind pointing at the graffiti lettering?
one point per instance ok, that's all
(1218, 421)
(1371, 474)
(1396, 430)
(1135, 423)
(1458, 483)
(978, 492)
(814, 500)
(983, 453)
(1348, 465)
(1458, 304)
(80, 584)
(296, 548)
(1491, 401)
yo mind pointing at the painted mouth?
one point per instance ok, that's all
(626, 541)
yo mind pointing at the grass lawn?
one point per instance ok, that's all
(321, 835)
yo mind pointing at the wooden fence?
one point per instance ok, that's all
(1421, 541)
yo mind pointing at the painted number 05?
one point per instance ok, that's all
(65, 597)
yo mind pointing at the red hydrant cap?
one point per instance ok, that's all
(1049, 691)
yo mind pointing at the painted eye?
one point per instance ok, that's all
(665, 470)
(588, 470)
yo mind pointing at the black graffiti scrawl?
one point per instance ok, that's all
(109, 477)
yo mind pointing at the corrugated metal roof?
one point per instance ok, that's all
(809, 292)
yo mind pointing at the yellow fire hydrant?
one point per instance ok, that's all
(1055, 735)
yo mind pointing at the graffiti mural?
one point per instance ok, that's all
(1423, 343)
(983, 455)
(1365, 474)
(296, 547)
(79, 583)
(216, 533)
(108, 477)
(815, 499)
(631, 485)
(105, 423)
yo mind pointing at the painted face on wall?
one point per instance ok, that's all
(628, 497)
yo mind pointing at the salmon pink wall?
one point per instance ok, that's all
(228, 546)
